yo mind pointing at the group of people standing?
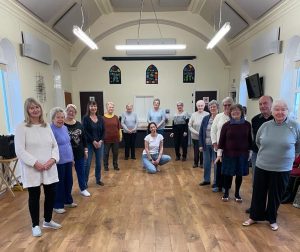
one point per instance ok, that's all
(47, 153)
(271, 141)
(226, 141)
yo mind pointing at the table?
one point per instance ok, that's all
(7, 174)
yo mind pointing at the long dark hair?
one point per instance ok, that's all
(150, 125)
(88, 108)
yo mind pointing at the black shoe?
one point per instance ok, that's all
(133, 158)
(100, 183)
(195, 166)
(204, 183)
(248, 210)
(201, 166)
(106, 169)
(126, 158)
(183, 159)
(177, 158)
(117, 168)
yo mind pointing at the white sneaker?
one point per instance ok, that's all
(52, 224)
(72, 205)
(85, 193)
(59, 210)
(36, 231)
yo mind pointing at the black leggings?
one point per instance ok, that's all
(34, 203)
(228, 182)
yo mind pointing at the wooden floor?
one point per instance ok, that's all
(136, 211)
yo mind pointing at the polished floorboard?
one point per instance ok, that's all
(136, 211)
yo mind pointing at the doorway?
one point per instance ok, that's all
(206, 96)
(85, 97)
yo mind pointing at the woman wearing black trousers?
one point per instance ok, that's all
(180, 131)
(278, 141)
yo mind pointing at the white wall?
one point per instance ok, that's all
(13, 21)
(270, 67)
(91, 74)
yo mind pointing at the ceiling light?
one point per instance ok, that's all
(140, 46)
(84, 37)
(219, 35)
(151, 47)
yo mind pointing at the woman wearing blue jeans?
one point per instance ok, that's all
(94, 131)
(153, 152)
(205, 143)
(79, 146)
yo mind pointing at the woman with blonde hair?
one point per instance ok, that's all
(38, 153)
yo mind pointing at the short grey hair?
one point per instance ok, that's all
(56, 110)
(109, 103)
(281, 103)
(213, 102)
(228, 99)
(200, 101)
(156, 99)
(71, 106)
(179, 103)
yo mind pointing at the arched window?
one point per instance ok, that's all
(59, 99)
(114, 75)
(151, 75)
(290, 83)
(188, 74)
(10, 86)
(243, 89)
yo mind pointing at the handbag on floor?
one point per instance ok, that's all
(296, 202)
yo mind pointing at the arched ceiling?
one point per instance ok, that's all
(61, 15)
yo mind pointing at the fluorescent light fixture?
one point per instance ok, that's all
(151, 47)
(219, 35)
(84, 38)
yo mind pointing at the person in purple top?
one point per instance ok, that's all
(64, 166)
(234, 150)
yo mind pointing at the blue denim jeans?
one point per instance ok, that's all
(147, 164)
(209, 156)
(79, 167)
(64, 185)
(87, 163)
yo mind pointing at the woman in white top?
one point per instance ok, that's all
(194, 127)
(38, 153)
(153, 152)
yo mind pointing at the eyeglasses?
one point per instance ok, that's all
(226, 105)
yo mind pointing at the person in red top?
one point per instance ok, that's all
(112, 136)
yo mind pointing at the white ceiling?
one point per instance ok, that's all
(61, 15)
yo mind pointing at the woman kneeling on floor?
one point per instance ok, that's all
(153, 152)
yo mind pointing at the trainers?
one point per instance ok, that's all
(59, 210)
(85, 193)
(72, 205)
(36, 231)
(52, 224)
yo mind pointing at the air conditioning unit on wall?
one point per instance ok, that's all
(267, 44)
(35, 48)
